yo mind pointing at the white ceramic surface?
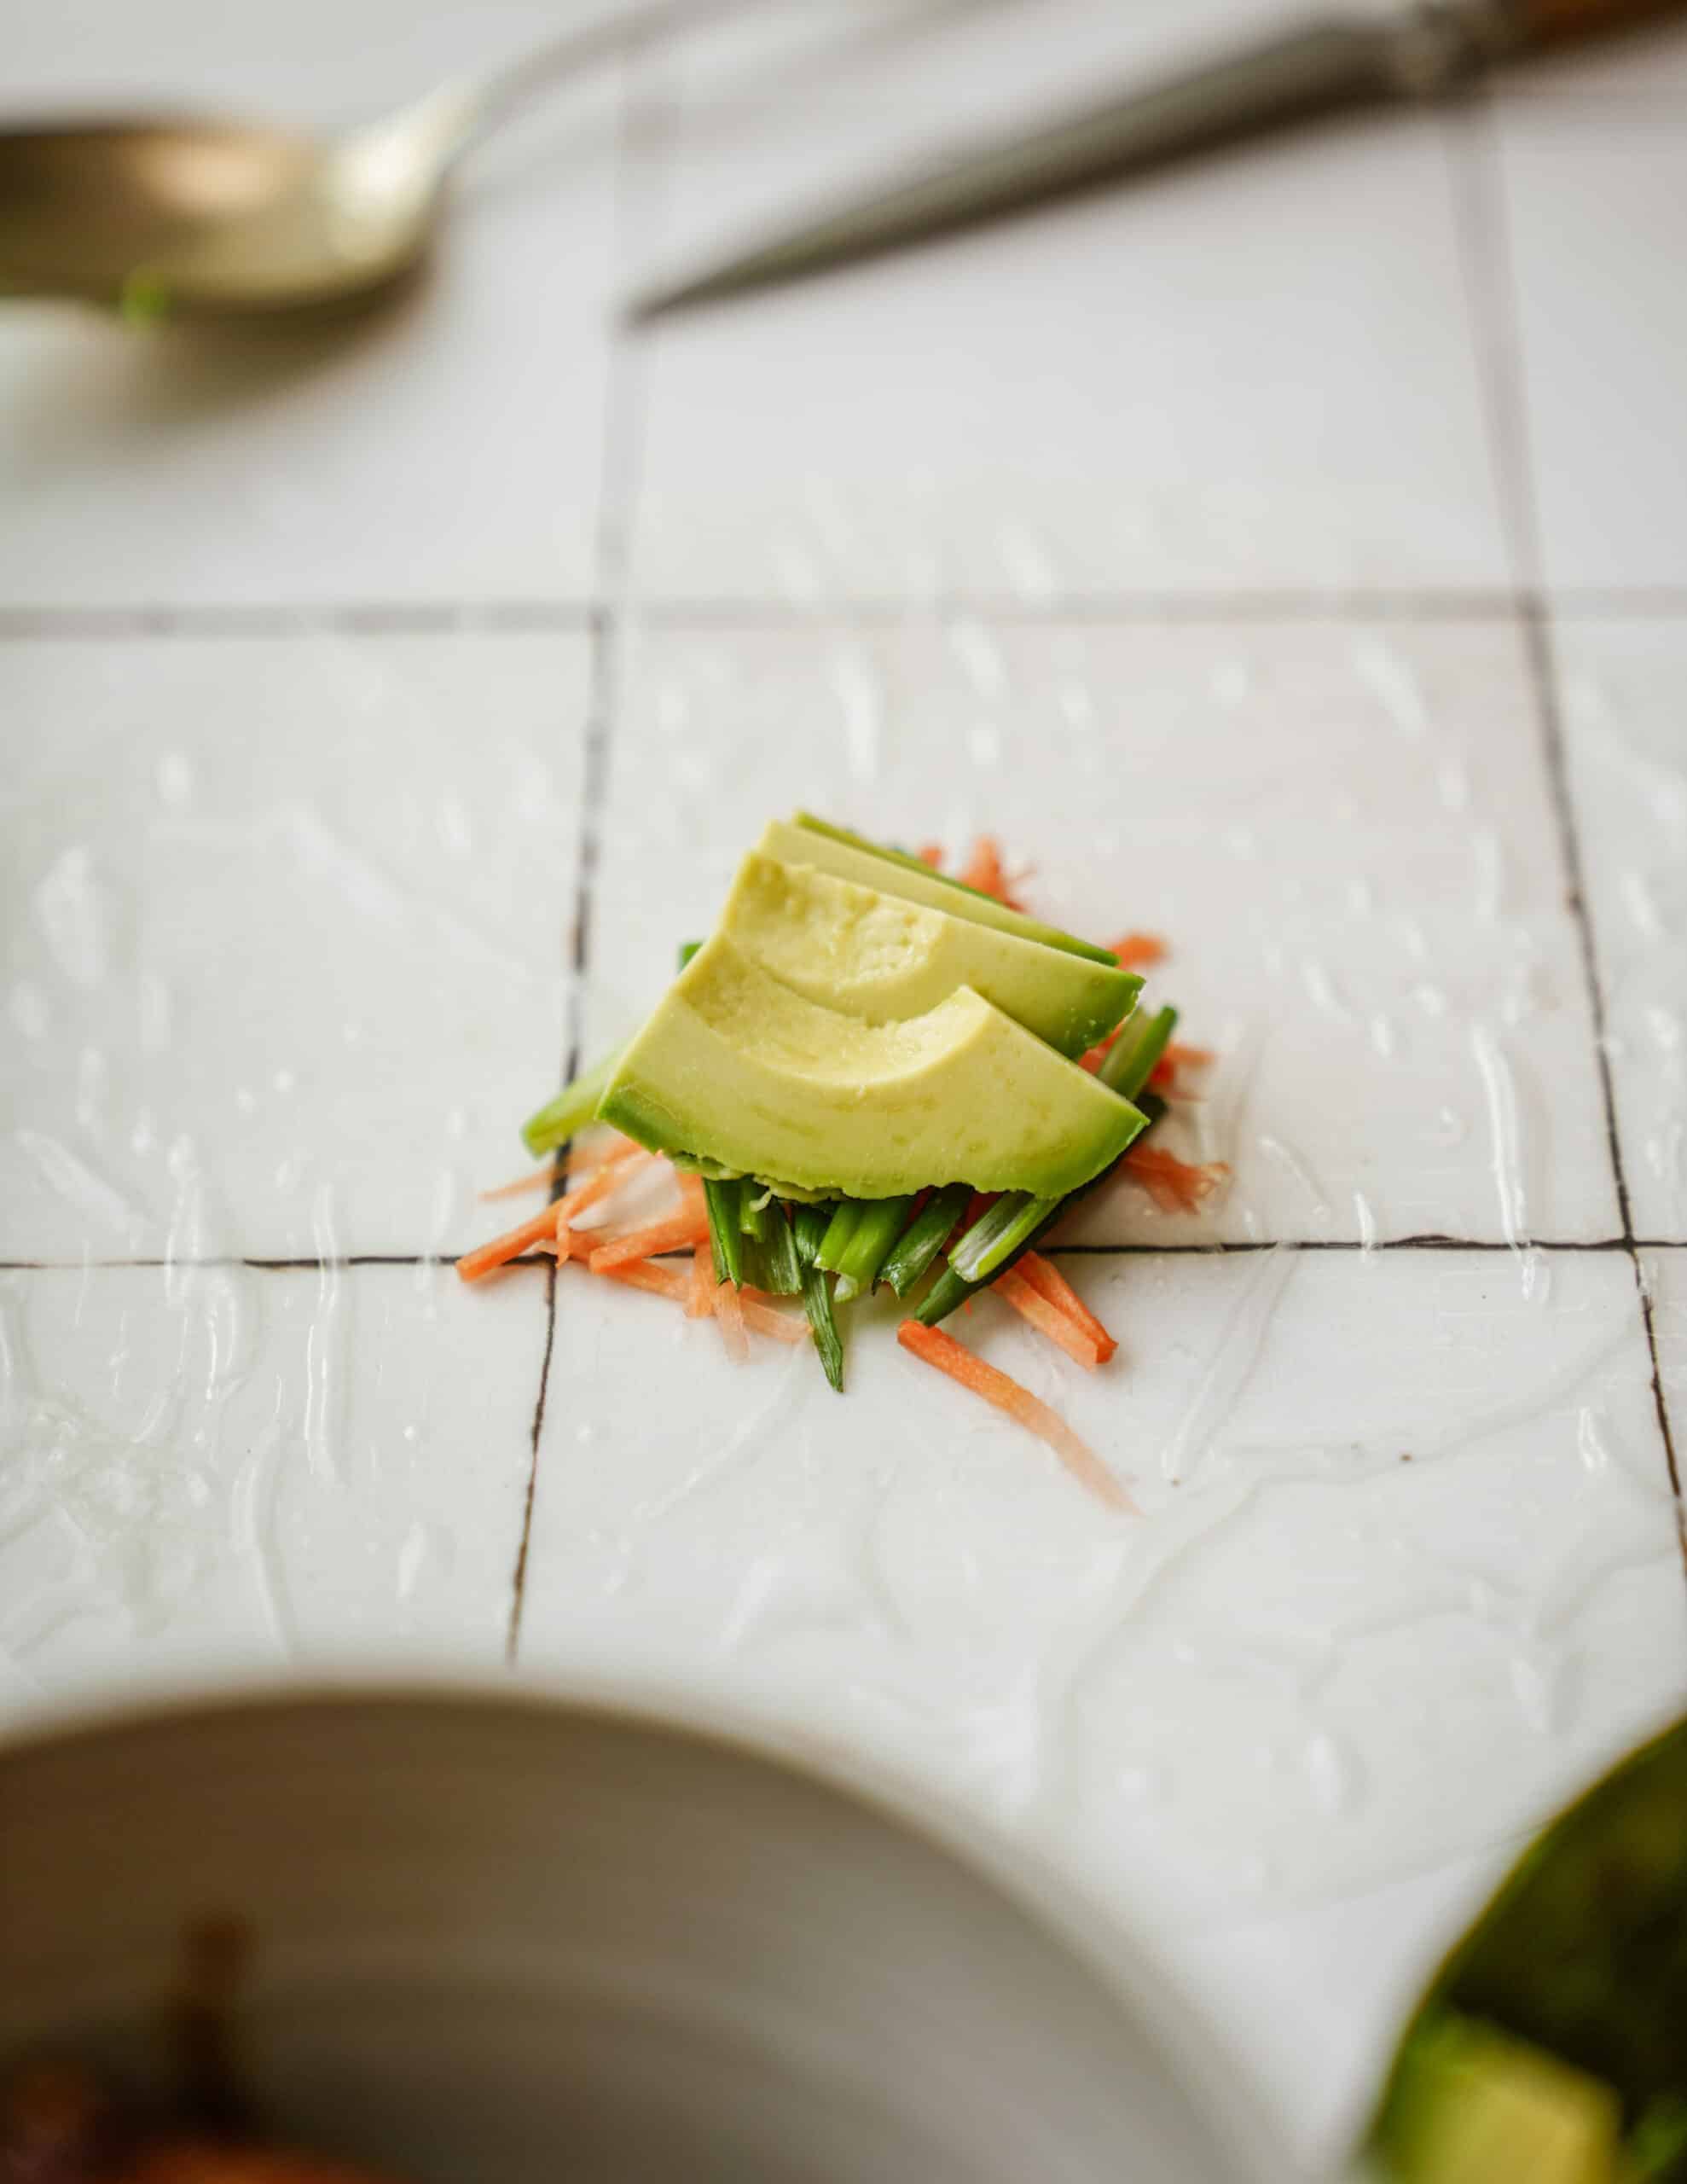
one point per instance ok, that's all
(1287, 556)
(1592, 197)
(481, 1935)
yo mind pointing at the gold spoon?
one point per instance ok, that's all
(201, 219)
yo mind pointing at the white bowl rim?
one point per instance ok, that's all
(1090, 1928)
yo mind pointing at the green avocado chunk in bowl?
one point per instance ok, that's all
(1552, 2047)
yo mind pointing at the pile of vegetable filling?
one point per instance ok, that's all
(872, 1075)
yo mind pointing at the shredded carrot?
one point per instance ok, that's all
(651, 1274)
(609, 1145)
(1176, 1059)
(1046, 1279)
(931, 853)
(690, 1225)
(1098, 1053)
(1048, 1318)
(934, 1347)
(768, 1319)
(1176, 1186)
(729, 1312)
(472, 1265)
(518, 1186)
(606, 1177)
(1137, 950)
(700, 1296)
(983, 869)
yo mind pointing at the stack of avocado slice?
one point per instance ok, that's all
(858, 1030)
(1552, 2047)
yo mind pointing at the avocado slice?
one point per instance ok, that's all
(809, 840)
(1475, 2106)
(882, 958)
(736, 1068)
(1581, 1957)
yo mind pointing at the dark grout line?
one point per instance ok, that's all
(1101, 605)
(610, 549)
(519, 1577)
(1623, 1246)
(1660, 1400)
(1448, 1245)
(356, 618)
(1485, 230)
(1594, 603)
(539, 617)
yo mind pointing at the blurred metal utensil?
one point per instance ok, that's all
(203, 218)
(1326, 62)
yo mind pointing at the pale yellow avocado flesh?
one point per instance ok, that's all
(1495, 2108)
(735, 1067)
(849, 857)
(883, 958)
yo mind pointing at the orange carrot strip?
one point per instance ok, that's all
(934, 1347)
(610, 1145)
(1046, 1279)
(670, 1233)
(931, 853)
(651, 1274)
(983, 869)
(729, 1312)
(1048, 1318)
(1177, 1058)
(768, 1319)
(535, 1179)
(1176, 1186)
(603, 1179)
(488, 1257)
(1137, 950)
(700, 1296)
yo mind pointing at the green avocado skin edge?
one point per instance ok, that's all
(1582, 1955)
(1050, 935)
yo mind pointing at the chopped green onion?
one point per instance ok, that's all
(1129, 1063)
(839, 1229)
(557, 1120)
(782, 1268)
(1000, 1230)
(817, 1303)
(687, 950)
(882, 1221)
(726, 1234)
(924, 1237)
(810, 1224)
(952, 1288)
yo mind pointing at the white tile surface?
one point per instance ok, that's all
(285, 929)
(1174, 388)
(447, 448)
(1409, 1570)
(1342, 828)
(224, 1468)
(1625, 714)
(285, 937)
(1593, 194)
